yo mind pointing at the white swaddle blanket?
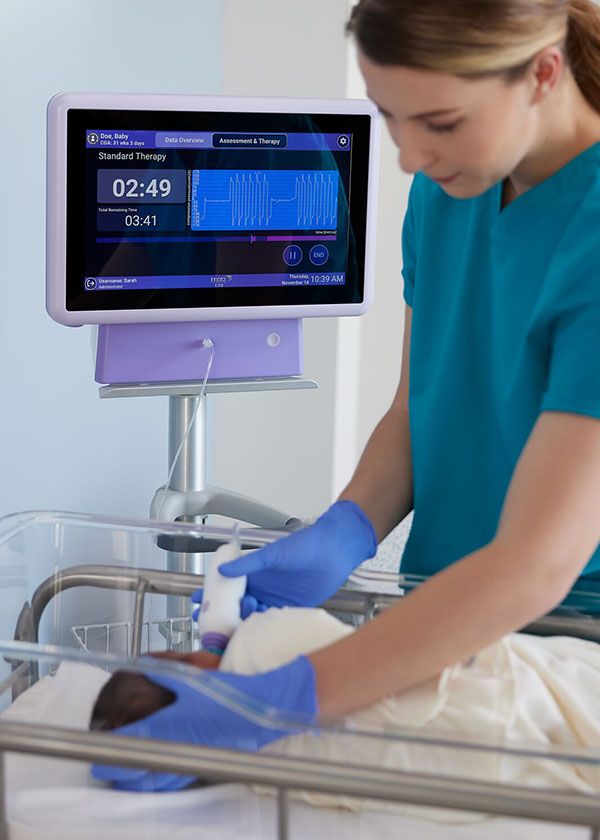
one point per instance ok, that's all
(521, 690)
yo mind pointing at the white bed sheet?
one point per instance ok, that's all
(58, 800)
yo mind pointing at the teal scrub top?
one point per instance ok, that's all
(505, 325)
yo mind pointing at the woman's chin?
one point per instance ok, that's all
(463, 187)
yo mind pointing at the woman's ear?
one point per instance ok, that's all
(546, 71)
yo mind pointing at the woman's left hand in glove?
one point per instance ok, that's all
(196, 718)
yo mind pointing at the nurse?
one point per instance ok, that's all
(493, 437)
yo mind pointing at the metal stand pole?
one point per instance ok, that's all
(189, 475)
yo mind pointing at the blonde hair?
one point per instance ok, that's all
(479, 37)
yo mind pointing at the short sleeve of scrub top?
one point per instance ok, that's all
(505, 325)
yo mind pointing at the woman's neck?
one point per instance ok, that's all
(558, 141)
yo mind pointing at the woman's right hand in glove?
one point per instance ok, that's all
(307, 567)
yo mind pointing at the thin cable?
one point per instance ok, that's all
(207, 345)
(235, 540)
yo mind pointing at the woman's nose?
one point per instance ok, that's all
(413, 159)
(412, 156)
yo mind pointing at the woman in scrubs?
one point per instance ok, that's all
(493, 437)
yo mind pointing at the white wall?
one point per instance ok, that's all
(278, 447)
(60, 446)
(369, 350)
(383, 326)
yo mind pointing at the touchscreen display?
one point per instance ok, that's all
(187, 209)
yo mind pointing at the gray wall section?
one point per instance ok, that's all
(278, 447)
(60, 446)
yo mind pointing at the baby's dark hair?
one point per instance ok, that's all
(126, 698)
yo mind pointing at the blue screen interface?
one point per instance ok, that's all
(230, 209)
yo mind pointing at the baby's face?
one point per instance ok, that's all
(128, 697)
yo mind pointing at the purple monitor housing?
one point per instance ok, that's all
(176, 218)
(174, 352)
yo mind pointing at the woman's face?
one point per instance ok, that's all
(465, 134)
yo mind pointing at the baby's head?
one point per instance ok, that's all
(125, 698)
(129, 696)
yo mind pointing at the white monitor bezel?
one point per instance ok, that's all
(56, 202)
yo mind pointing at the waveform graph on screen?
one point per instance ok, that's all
(243, 199)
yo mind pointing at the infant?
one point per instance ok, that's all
(523, 690)
(262, 642)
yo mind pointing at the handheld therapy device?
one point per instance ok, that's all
(245, 213)
(219, 615)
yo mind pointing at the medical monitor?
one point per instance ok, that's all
(184, 208)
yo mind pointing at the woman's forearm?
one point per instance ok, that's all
(547, 532)
(382, 483)
(455, 614)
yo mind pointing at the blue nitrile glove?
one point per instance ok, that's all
(307, 567)
(248, 605)
(197, 719)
